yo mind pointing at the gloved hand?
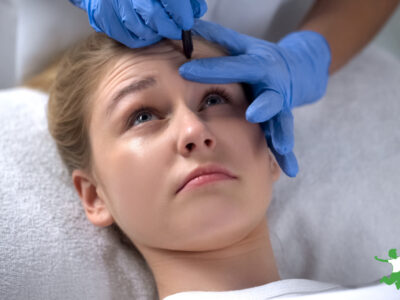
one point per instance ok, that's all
(290, 73)
(139, 23)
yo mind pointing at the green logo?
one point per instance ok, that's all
(395, 276)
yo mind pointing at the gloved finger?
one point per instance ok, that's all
(154, 16)
(199, 8)
(225, 69)
(281, 128)
(264, 107)
(287, 162)
(134, 22)
(181, 12)
(235, 42)
(117, 30)
(125, 37)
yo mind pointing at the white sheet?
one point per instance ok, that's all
(300, 289)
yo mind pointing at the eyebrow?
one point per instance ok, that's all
(132, 88)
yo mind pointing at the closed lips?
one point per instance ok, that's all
(205, 170)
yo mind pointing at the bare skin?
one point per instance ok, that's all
(348, 25)
(211, 238)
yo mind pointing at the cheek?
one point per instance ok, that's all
(252, 149)
(133, 186)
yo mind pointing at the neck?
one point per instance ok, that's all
(245, 264)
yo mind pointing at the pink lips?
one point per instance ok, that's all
(204, 175)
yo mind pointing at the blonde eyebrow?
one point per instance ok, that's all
(132, 88)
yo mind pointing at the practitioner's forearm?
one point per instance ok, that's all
(348, 25)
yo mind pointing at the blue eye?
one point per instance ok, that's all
(140, 118)
(141, 115)
(214, 99)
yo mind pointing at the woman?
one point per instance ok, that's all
(132, 131)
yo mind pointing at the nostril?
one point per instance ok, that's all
(190, 146)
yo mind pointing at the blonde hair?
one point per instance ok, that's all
(68, 114)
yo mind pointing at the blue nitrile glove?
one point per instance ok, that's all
(139, 23)
(290, 73)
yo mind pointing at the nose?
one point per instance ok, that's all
(194, 135)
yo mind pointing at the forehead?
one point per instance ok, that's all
(201, 49)
(151, 60)
(160, 61)
(170, 51)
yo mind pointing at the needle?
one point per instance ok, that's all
(187, 43)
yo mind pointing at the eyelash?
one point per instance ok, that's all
(143, 108)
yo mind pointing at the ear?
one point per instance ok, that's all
(274, 166)
(95, 207)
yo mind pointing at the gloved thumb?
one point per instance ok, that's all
(287, 162)
(281, 128)
(264, 107)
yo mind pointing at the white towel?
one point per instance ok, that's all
(327, 224)
(48, 249)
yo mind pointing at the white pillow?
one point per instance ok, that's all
(327, 224)
(32, 33)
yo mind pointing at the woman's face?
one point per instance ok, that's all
(141, 158)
